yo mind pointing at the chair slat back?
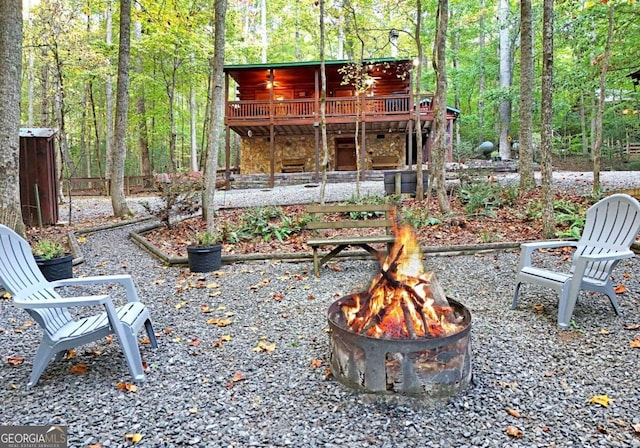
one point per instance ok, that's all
(612, 225)
(19, 271)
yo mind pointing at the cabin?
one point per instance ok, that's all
(275, 110)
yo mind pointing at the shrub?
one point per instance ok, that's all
(480, 198)
(180, 195)
(48, 249)
(269, 222)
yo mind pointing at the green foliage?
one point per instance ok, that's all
(48, 249)
(481, 198)
(568, 214)
(206, 239)
(418, 217)
(268, 223)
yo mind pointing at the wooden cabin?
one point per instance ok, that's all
(275, 110)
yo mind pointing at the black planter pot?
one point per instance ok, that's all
(56, 268)
(408, 181)
(204, 259)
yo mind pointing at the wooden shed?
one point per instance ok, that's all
(38, 183)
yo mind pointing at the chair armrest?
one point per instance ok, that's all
(608, 256)
(63, 302)
(122, 279)
(527, 249)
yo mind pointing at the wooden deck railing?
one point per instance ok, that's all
(335, 107)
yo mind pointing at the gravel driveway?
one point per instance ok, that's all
(211, 386)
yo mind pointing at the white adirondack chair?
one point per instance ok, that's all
(611, 227)
(20, 275)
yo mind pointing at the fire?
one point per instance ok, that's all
(403, 301)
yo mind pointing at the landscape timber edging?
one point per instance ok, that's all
(137, 237)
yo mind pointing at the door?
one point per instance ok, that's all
(345, 154)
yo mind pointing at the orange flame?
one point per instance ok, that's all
(403, 301)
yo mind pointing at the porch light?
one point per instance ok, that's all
(269, 85)
(249, 133)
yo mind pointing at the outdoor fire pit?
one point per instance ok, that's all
(402, 335)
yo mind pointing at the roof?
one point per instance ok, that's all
(37, 132)
(292, 72)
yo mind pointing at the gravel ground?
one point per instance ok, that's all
(205, 389)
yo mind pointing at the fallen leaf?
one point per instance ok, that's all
(238, 376)
(626, 275)
(15, 360)
(636, 427)
(127, 386)
(79, 368)
(264, 346)
(620, 289)
(618, 422)
(632, 327)
(145, 340)
(602, 429)
(133, 438)
(181, 305)
(315, 363)
(70, 354)
(212, 285)
(602, 400)
(311, 297)
(278, 296)
(194, 342)
(514, 432)
(109, 339)
(205, 309)
(538, 307)
(635, 343)
(167, 331)
(514, 413)
(604, 331)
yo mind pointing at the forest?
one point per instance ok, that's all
(70, 61)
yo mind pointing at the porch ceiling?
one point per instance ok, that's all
(378, 127)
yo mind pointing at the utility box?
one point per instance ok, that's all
(38, 182)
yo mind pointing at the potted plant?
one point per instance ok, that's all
(53, 261)
(205, 255)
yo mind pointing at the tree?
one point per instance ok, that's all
(118, 200)
(548, 222)
(10, 85)
(440, 107)
(506, 76)
(418, 90)
(323, 106)
(217, 106)
(597, 145)
(527, 180)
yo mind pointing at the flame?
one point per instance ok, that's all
(403, 301)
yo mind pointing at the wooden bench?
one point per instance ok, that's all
(321, 220)
(293, 165)
(384, 162)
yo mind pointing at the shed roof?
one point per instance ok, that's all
(37, 132)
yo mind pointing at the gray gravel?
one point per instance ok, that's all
(521, 361)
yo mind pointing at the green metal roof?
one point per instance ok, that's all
(309, 63)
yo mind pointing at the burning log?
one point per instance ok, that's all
(403, 301)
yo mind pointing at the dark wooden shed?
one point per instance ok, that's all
(38, 183)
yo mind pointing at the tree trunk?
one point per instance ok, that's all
(418, 127)
(481, 79)
(597, 145)
(323, 106)
(118, 200)
(439, 149)
(141, 105)
(263, 29)
(108, 85)
(548, 220)
(217, 107)
(192, 122)
(506, 67)
(10, 85)
(527, 180)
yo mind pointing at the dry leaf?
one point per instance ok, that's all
(238, 376)
(602, 400)
(212, 285)
(636, 427)
(635, 343)
(632, 327)
(133, 438)
(626, 275)
(127, 386)
(514, 413)
(604, 331)
(311, 297)
(181, 305)
(514, 432)
(315, 363)
(15, 360)
(79, 368)
(205, 309)
(620, 289)
(195, 342)
(264, 346)
(538, 307)
(145, 340)
(278, 296)
(70, 354)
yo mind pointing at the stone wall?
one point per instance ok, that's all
(254, 151)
